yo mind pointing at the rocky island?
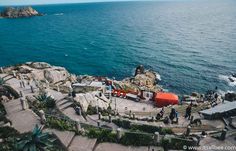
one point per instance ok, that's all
(82, 112)
(11, 12)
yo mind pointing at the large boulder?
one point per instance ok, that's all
(56, 74)
(40, 65)
(86, 99)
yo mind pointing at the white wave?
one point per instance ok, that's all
(226, 78)
(59, 14)
(158, 76)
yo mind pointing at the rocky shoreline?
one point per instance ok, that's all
(86, 108)
(21, 12)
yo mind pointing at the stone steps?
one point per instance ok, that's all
(64, 106)
(65, 137)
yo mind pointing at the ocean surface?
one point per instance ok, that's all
(191, 44)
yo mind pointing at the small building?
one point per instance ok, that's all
(164, 99)
(226, 109)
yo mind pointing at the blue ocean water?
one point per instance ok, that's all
(189, 43)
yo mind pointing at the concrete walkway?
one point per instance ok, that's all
(118, 147)
(64, 136)
(22, 120)
(81, 143)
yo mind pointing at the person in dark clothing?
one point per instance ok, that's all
(160, 114)
(172, 114)
(188, 112)
(216, 96)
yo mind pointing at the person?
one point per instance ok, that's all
(160, 114)
(216, 96)
(188, 112)
(172, 115)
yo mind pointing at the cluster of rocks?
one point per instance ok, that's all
(44, 75)
(143, 79)
(93, 99)
(11, 12)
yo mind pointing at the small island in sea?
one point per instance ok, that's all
(82, 112)
(19, 12)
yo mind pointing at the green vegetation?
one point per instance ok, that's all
(176, 143)
(141, 127)
(9, 136)
(2, 81)
(93, 110)
(2, 110)
(35, 141)
(102, 135)
(137, 139)
(6, 132)
(129, 138)
(60, 124)
(122, 123)
(46, 101)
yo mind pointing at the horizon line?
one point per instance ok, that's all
(88, 2)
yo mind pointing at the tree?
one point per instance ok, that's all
(36, 141)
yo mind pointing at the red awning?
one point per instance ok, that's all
(165, 99)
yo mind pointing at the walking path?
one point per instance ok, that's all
(22, 120)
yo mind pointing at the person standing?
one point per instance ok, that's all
(188, 112)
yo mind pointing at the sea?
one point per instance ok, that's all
(191, 43)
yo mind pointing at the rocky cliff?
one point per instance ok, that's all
(11, 12)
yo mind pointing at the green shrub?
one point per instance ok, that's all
(122, 123)
(2, 110)
(105, 112)
(165, 131)
(2, 81)
(6, 132)
(91, 110)
(136, 139)
(141, 127)
(145, 128)
(165, 143)
(60, 124)
(46, 101)
(8, 144)
(176, 143)
(102, 135)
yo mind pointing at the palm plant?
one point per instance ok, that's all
(46, 100)
(36, 141)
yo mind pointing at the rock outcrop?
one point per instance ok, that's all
(145, 79)
(86, 99)
(44, 75)
(11, 12)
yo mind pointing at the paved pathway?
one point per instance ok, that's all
(80, 143)
(64, 136)
(118, 147)
(22, 120)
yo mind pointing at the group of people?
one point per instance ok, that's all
(174, 115)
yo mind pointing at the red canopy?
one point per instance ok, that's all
(165, 99)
